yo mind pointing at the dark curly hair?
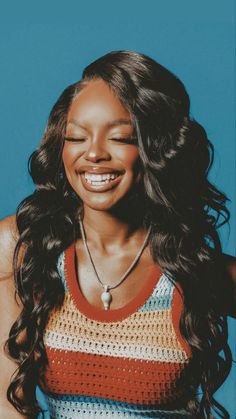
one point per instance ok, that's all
(178, 199)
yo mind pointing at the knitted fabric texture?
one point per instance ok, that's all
(122, 363)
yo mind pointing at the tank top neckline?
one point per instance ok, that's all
(99, 314)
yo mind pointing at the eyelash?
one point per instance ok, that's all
(128, 140)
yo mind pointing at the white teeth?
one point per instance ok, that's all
(95, 183)
(98, 180)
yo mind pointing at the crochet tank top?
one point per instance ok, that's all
(124, 363)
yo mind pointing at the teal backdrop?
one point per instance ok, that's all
(45, 45)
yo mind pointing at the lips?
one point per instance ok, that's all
(99, 169)
(99, 179)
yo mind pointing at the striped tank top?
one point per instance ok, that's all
(124, 363)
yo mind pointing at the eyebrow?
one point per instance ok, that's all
(115, 123)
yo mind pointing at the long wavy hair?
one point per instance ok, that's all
(184, 207)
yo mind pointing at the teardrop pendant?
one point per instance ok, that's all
(106, 298)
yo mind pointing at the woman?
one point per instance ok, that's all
(122, 288)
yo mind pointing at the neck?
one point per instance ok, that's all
(108, 232)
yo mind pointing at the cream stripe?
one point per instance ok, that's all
(153, 328)
(132, 351)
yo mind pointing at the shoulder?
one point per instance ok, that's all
(8, 227)
(228, 264)
(8, 230)
(9, 305)
(8, 239)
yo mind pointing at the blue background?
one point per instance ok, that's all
(44, 47)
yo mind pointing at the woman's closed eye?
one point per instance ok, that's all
(126, 140)
(74, 139)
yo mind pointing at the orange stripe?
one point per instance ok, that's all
(121, 379)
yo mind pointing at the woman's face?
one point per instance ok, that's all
(100, 153)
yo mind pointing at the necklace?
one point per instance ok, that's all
(106, 296)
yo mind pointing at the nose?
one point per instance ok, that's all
(96, 152)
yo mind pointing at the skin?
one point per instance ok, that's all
(95, 109)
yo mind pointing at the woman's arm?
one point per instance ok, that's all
(9, 311)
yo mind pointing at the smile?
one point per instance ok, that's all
(100, 182)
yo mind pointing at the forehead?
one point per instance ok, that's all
(97, 101)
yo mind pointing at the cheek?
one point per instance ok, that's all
(68, 154)
(68, 157)
(129, 157)
(65, 155)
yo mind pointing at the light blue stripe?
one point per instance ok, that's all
(157, 303)
(161, 298)
(65, 405)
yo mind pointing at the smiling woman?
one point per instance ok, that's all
(123, 290)
(100, 153)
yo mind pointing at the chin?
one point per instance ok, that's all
(103, 202)
(98, 203)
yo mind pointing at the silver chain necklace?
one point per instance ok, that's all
(106, 296)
